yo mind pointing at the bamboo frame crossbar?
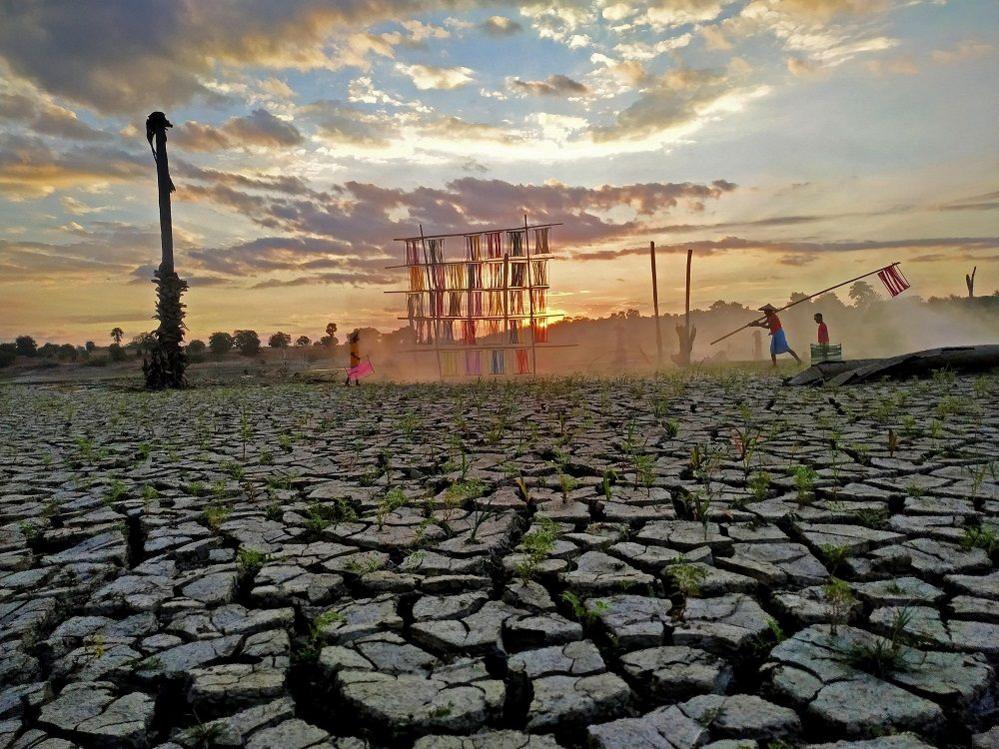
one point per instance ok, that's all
(804, 299)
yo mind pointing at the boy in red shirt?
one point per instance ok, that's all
(778, 341)
(823, 330)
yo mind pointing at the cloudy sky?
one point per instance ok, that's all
(789, 142)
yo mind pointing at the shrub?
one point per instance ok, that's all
(247, 342)
(220, 343)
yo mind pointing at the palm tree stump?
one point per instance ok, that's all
(166, 361)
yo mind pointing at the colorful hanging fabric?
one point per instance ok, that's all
(454, 304)
(494, 244)
(492, 328)
(475, 303)
(416, 278)
(468, 332)
(455, 277)
(539, 273)
(518, 274)
(473, 247)
(517, 302)
(513, 331)
(472, 364)
(523, 366)
(447, 331)
(412, 252)
(541, 241)
(495, 276)
(473, 276)
(891, 276)
(495, 302)
(540, 301)
(436, 249)
(540, 330)
(436, 303)
(497, 362)
(449, 363)
(516, 239)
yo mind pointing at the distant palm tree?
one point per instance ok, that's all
(116, 335)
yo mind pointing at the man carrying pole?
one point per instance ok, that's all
(778, 341)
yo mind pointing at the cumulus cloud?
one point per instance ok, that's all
(554, 85)
(259, 128)
(45, 117)
(345, 124)
(679, 96)
(124, 60)
(29, 168)
(497, 26)
(426, 77)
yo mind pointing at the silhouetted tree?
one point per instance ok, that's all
(279, 340)
(220, 343)
(330, 338)
(25, 345)
(247, 342)
(90, 346)
(117, 334)
(196, 347)
(863, 295)
(302, 340)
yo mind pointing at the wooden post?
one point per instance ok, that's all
(685, 334)
(655, 306)
(969, 279)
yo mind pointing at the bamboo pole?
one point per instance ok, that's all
(655, 306)
(506, 301)
(530, 298)
(804, 299)
(430, 302)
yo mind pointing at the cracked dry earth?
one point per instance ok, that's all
(675, 563)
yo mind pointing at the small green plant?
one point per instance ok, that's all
(285, 442)
(232, 469)
(582, 612)
(250, 561)
(274, 511)
(759, 485)
(885, 655)
(607, 484)
(266, 458)
(981, 537)
(214, 515)
(145, 450)
(116, 491)
(840, 598)
(671, 429)
(537, 545)
(149, 493)
(804, 483)
(835, 556)
(390, 502)
(687, 578)
(776, 630)
(872, 517)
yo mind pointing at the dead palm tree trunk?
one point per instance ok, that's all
(165, 364)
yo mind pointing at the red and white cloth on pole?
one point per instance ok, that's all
(891, 276)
